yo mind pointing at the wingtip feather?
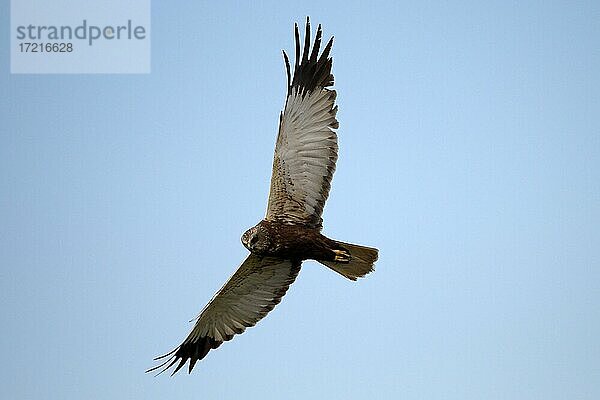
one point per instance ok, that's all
(311, 70)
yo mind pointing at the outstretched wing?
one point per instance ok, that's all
(306, 149)
(251, 292)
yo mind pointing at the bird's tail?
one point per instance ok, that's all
(361, 261)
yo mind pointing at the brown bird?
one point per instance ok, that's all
(305, 155)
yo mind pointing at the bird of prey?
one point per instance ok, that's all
(306, 151)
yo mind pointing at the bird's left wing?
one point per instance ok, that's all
(306, 149)
(251, 292)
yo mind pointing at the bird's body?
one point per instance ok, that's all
(292, 241)
(306, 152)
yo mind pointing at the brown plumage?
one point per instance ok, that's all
(303, 165)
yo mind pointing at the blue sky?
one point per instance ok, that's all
(469, 155)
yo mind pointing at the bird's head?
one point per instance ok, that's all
(251, 239)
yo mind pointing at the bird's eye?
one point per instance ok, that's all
(253, 239)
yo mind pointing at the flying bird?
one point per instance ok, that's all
(306, 152)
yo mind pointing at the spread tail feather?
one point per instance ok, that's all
(361, 261)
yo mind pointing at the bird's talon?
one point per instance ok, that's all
(341, 256)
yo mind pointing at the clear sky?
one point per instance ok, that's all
(469, 155)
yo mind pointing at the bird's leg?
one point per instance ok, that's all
(341, 256)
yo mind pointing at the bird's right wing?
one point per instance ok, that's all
(251, 292)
